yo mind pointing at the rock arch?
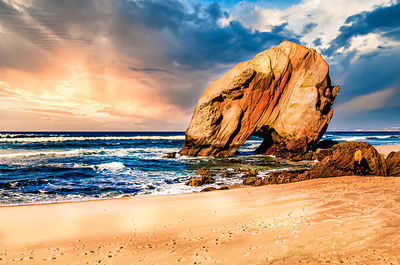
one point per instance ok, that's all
(283, 95)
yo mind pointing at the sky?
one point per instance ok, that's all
(141, 65)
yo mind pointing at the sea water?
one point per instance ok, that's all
(43, 167)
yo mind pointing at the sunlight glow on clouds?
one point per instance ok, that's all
(142, 65)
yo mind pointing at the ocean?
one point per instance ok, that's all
(45, 167)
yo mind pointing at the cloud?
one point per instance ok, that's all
(309, 19)
(143, 59)
(144, 63)
(383, 20)
(149, 70)
(52, 111)
(372, 101)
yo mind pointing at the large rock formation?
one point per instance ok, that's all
(340, 161)
(283, 95)
(393, 164)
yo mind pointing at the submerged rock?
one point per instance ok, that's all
(283, 95)
(170, 155)
(340, 162)
(393, 164)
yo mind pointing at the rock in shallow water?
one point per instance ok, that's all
(200, 181)
(170, 155)
(283, 95)
(340, 161)
(254, 181)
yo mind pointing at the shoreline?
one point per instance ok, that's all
(382, 149)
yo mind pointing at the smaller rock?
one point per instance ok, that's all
(340, 161)
(199, 181)
(224, 188)
(321, 153)
(254, 181)
(204, 171)
(282, 176)
(251, 173)
(226, 174)
(170, 155)
(208, 189)
(393, 164)
(245, 169)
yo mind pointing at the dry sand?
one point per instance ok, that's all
(350, 220)
(354, 220)
(386, 149)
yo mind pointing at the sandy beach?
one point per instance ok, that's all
(350, 220)
(386, 149)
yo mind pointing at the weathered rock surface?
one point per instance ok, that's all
(213, 189)
(393, 164)
(208, 189)
(204, 171)
(200, 181)
(254, 181)
(251, 173)
(205, 178)
(339, 161)
(170, 155)
(283, 95)
(283, 176)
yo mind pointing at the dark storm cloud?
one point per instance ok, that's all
(395, 34)
(382, 20)
(368, 73)
(365, 75)
(151, 31)
(195, 39)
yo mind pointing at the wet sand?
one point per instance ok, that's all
(351, 220)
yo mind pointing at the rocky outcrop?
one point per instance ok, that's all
(283, 176)
(200, 181)
(213, 189)
(283, 95)
(205, 178)
(393, 164)
(254, 181)
(170, 155)
(339, 161)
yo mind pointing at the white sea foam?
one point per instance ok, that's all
(42, 153)
(144, 153)
(89, 138)
(110, 166)
(382, 137)
(350, 138)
